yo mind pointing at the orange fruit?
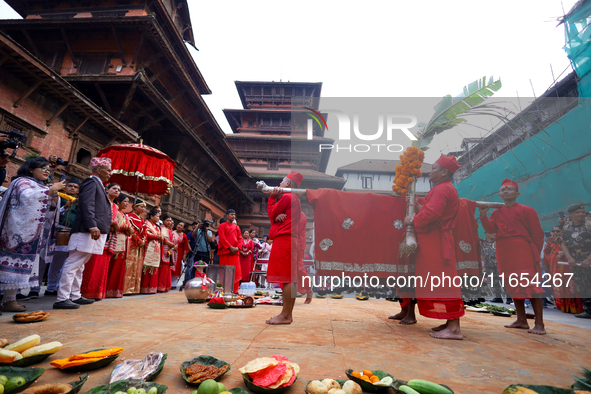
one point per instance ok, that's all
(366, 378)
(356, 374)
(367, 373)
(374, 379)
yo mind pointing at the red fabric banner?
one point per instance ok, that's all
(357, 233)
(467, 243)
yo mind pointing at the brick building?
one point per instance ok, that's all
(128, 62)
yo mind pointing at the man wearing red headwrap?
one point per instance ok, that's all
(519, 239)
(436, 255)
(284, 211)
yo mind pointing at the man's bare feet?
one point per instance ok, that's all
(308, 298)
(539, 330)
(399, 316)
(279, 319)
(448, 333)
(439, 328)
(518, 324)
(408, 320)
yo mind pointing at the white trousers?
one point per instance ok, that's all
(71, 279)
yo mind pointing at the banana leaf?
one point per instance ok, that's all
(449, 109)
(369, 387)
(238, 390)
(262, 390)
(123, 385)
(205, 360)
(153, 375)
(25, 362)
(543, 389)
(583, 383)
(29, 374)
(77, 386)
(93, 365)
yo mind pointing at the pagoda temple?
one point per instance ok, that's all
(128, 58)
(271, 142)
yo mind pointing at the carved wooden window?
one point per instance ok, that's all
(273, 165)
(7, 123)
(94, 63)
(83, 157)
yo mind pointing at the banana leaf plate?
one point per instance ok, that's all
(29, 374)
(153, 375)
(77, 386)
(263, 390)
(123, 385)
(339, 381)
(369, 387)
(205, 360)
(93, 365)
(216, 305)
(336, 296)
(25, 362)
(32, 321)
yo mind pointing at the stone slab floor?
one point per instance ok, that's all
(327, 337)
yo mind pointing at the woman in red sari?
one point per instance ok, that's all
(246, 251)
(116, 276)
(169, 248)
(152, 255)
(567, 299)
(135, 249)
(94, 278)
(181, 255)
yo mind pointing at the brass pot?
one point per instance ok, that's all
(195, 292)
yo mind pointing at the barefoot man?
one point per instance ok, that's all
(284, 211)
(520, 239)
(436, 254)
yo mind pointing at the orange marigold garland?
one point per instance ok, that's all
(408, 170)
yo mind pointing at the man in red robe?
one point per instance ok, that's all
(436, 255)
(304, 287)
(284, 211)
(229, 239)
(520, 240)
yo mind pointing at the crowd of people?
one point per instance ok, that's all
(94, 242)
(96, 249)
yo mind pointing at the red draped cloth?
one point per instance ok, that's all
(182, 250)
(283, 262)
(351, 239)
(304, 283)
(96, 270)
(466, 240)
(436, 254)
(246, 261)
(229, 235)
(567, 298)
(519, 241)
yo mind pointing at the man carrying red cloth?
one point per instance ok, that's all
(436, 254)
(230, 238)
(284, 211)
(519, 239)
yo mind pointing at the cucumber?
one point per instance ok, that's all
(426, 387)
(407, 390)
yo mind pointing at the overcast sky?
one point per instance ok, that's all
(377, 48)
